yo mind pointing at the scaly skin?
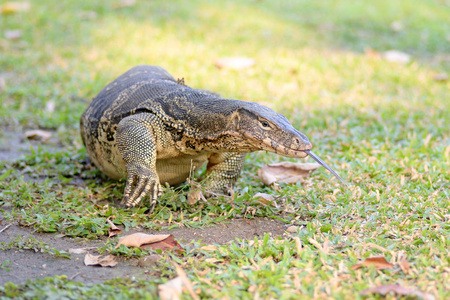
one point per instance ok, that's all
(147, 127)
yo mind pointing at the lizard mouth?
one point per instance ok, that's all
(323, 164)
(289, 152)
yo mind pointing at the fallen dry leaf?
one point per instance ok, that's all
(292, 229)
(235, 63)
(166, 244)
(124, 3)
(265, 199)
(50, 106)
(399, 290)
(38, 135)
(372, 53)
(14, 7)
(286, 172)
(397, 26)
(88, 15)
(81, 250)
(397, 56)
(13, 34)
(440, 77)
(113, 230)
(138, 239)
(380, 263)
(100, 260)
(143, 240)
(171, 290)
(186, 282)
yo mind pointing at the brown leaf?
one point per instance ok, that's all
(371, 53)
(81, 250)
(396, 56)
(440, 77)
(166, 244)
(265, 199)
(13, 34)
(88, 15)
(186, 282)
(38, 135)
(14, 7)
(143, 240)
(380, 263)
(124, 3)
(171, 290)
(235, 63)
(397, 26)
(100, 260)
(113, 230)
(138, 239)
(292, 229)
(286, 172)
(50, 106)
(398, 289)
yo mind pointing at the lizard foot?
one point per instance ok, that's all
(139, 184)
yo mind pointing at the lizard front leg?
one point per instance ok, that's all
(137, 137)
(223, 170)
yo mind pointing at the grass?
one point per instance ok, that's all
(382, 125)
(33, 244)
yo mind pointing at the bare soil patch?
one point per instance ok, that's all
(14, 145)
(27, 264)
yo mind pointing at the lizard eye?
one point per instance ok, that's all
(265, 124)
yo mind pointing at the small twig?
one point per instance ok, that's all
(6, 227)
(73, 277)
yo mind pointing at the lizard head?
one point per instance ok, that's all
(264, 129)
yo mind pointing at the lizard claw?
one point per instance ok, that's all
(146, 185)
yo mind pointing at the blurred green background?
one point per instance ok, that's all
(316, 61)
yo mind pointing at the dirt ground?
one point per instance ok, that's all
(12, 145)
(27, 264)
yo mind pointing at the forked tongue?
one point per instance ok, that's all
(323, 164)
